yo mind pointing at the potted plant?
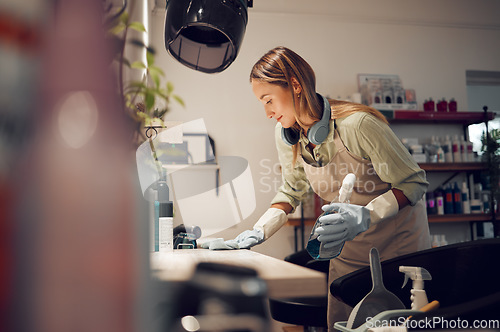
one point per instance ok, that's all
(491, 148)
(145, 101)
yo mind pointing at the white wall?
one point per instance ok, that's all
(430, 44)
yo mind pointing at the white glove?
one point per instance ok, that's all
(343, 224)
(271, 221)
(351, 219)
(266, 226)
(245, 240)
(383, 207)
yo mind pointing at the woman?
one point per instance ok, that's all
(319, 141)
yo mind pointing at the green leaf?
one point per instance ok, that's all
(124, 18)
(137, 26)
(138, 65)
(157, 70)
(170, 87)
(150, 58)
(149, 100)
(179, 100)
(156, 79)
(117, 29)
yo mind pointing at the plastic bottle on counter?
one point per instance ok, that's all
(455, 146)
(457, 199)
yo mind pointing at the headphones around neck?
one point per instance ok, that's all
(317, 133)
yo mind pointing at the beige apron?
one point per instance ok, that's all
(404, 233)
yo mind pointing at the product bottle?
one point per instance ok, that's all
(452, 106)
(430, 105)
(314, 247)
(432, 150)
(463, 149)
(166, 218)
(440, 153)
(470, 152)
(447, 148)
(431, 204)
(439, 202)
(442, 105)
(426, 105)
(455, 145)
(417, 275)
(457, 199)
(448, 200)
(443, 241)
(435, 241)
(465, 198)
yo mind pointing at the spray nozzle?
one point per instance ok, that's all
(417, 274)
(346, 188)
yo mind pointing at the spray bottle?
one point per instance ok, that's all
(418, 275)
(314, 247)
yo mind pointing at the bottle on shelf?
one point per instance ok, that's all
(439, 152)
(463, 149)
(452, 105)
(447, 149)
(448, 200)
(439, 201)
(431, 203)
(442, 241)
(470, 152)
(465, 198)
(457, 199)
(455, 144)
(442, 105)
(429, 105)
(435, 241)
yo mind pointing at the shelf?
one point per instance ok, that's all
(474, 217)
(411, 117)
(453, 167)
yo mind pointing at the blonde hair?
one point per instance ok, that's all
(279, 66)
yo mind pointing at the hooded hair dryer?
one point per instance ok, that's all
(205, 35)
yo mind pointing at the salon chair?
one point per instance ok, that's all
(465, 280)
(309, 312)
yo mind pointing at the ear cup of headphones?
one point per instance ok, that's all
(290, 136)
(319, 131)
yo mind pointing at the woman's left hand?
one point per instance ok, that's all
(341, 223)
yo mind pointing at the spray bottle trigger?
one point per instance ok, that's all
(425, 274)
(406, 280)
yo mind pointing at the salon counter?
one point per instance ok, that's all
(283, 279)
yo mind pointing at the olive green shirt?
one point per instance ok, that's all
(363, 135)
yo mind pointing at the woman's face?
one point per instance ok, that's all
(277, 101)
